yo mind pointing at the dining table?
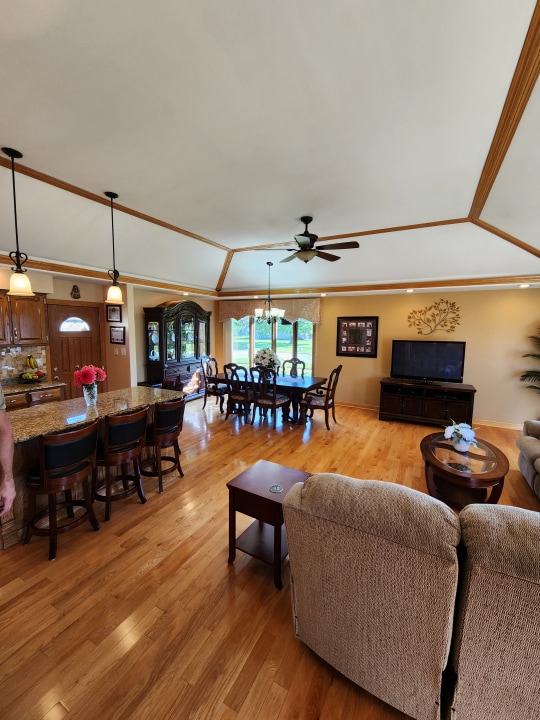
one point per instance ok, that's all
(294, 387)
(31, 422)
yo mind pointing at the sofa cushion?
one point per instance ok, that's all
(529, 446)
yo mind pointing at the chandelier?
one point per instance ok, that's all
(268, 313)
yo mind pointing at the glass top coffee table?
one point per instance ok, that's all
(461, 478)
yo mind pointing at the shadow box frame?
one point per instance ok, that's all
(357, 336)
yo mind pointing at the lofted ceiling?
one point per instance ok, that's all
(412, 127)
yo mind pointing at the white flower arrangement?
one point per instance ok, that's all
(266, 357)
(460, 432)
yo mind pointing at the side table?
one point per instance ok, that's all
(259, 492)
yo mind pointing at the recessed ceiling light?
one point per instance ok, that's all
(524, 285)
(409, 290)
(185, 293)
(323, 294)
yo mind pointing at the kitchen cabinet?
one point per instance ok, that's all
(23, 320)
(33, 396)
(177, 337)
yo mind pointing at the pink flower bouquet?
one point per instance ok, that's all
(88, 375)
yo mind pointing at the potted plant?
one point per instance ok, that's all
(533, 376)
(461, 434)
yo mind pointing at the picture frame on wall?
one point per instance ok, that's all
(118, 335)
(114, 313)
(357, 336)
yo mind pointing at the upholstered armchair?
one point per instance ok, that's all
(529, 454)
(374, 573)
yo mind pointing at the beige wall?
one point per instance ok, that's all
(494, 324)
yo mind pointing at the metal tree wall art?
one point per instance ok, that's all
(442, 315)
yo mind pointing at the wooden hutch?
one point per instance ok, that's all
(177, 337)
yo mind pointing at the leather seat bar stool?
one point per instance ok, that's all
(66, 461)
(122, 443)
(164, 433)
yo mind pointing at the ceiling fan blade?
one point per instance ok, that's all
(327, 256)
(339, 246)
(288, 259)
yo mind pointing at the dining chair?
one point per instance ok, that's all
(322, 398)
(123, 440)
(297, 367)
(265, 395)
(213, 388)
(162, 433)
(66, 461)
(240, 395)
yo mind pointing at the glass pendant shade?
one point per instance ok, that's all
(19, 284)
(306, 255)
(114, 295)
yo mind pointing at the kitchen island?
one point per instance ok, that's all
(29, 423)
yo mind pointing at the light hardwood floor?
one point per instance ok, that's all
(145, 618)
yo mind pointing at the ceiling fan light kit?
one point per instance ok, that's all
(307, 249)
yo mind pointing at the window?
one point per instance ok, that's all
(74, 324)
(288, 339)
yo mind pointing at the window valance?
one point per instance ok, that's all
(295, 309)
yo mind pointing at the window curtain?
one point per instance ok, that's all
(295, 309)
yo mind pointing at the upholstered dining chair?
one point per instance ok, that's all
(296, 368)
(66, 461)
(265, 395)
(240, 395)
(212, 388)
(322, 398)
(124, 438)
(162, 433)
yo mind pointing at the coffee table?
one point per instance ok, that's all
(461, 478)
(259, 492)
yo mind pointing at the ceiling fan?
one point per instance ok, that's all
(306, 246)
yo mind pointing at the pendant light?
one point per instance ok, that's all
(114, 295)
(19, 283)
(269, 313)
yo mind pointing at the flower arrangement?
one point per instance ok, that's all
(460, 433)
(88, 375)
(266, 357)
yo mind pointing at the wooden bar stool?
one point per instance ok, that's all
(163, 433)
(66, 460)
(122, 443)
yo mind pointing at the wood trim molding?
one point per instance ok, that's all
(506, 236)
(523, 82)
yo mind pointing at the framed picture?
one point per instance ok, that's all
(357, 336)
(114, 313)
(118, 335)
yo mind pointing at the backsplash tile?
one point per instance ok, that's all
(12, 361)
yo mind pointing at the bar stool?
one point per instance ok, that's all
(163, 433)
(66, 460)
(122, 443)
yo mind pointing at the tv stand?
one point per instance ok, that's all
(430, 403)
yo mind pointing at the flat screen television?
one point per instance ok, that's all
(428, 360)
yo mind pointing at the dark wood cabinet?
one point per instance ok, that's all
(177, 337)
(23, 320)
(19, 400)
(428, 403)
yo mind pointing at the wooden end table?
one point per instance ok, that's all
(259, 492)
(461, 478)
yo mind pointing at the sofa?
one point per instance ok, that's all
(433, 613)
(529, 454)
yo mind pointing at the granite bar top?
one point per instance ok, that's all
(29, 423)
(17, 387)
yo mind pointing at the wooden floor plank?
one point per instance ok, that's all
(145, 618)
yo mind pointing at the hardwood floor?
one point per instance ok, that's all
(145, 618)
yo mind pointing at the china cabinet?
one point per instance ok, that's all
(177, 336)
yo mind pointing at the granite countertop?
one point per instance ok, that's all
(17, 387)
(29, 423)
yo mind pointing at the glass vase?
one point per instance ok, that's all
(90, 394)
